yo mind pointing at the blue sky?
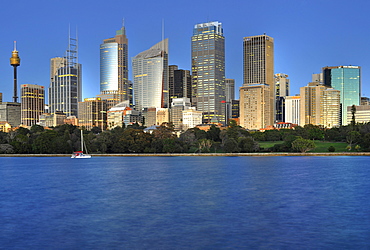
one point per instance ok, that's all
(308, 35)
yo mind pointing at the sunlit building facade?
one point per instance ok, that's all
(319, 105)
(92, 112)
(258, 69)
(150, 73)
(346, 79)
(114, 85)
(32, 103)
(292, 109)
(208, 71)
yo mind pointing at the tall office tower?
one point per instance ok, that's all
(92, 112)
(65, 88)
(229, 96)
(319, 106)
(364, 100)
(1, 97)
(32, 103)
(292, 109)
(346, 79)
(114, 85)
(235, 109)
(150, 71)
(208, 71)
(258, 58)
(281, 91)
(179, 83)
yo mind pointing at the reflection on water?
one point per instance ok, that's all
(185, 202)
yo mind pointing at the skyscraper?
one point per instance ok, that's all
(281, 92)
(114, 85)
(258, 57)
(208, 71)
(229, 96)
(150, 72)
(179, 83)
(65, 90)
(32, 103)
(346, 79)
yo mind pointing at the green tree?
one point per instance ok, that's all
(231, 146)
(353, 111)
(303, 145)
(247, 144)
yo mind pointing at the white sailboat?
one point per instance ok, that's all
(80, 154)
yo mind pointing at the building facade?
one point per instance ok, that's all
(150, 73)
(258, 69)
(281, 91)
(92, 113)
(65, 90)
(32, 103)
(208, 71)
(346, 79)
(10, 112)
(114, 85)
(319, 105)
(179, 83)
(292, 109)
(191, 118)
(229, 96)
(254, 106)
(177, 106)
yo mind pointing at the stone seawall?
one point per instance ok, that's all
(196, 154)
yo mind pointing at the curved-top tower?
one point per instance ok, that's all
(15, 61)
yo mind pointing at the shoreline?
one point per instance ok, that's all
(195, 154)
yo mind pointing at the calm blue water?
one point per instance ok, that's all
(185, 203)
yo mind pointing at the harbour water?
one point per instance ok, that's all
(185, 203)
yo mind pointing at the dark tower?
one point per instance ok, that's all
(15, 61)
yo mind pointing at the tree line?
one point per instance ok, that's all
(65, 139)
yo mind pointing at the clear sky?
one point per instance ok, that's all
(308, 34)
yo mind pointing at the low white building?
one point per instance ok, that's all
(191, 118)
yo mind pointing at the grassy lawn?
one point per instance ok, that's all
(321, 146)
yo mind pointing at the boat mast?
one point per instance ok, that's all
(82, 141)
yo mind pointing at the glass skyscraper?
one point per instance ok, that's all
(346, 79)
(65, 89)
(114, 86)
(150, 73)
(208, 71)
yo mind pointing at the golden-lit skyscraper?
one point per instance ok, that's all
(258, 58)
(114, 85)
(32, 103)
(208, 71)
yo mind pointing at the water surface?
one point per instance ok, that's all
(185, 203)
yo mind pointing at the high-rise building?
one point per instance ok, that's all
(32, 103)
(292, 109)
(346, 79)
(191, 118)
(258, 65)
(179, 83)
(150, 72)
(65, 90)
(281, 91)
(92, 112)
(114, 85)
(229, 96)
(208, 71)
(1, 97)
(319, 105)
